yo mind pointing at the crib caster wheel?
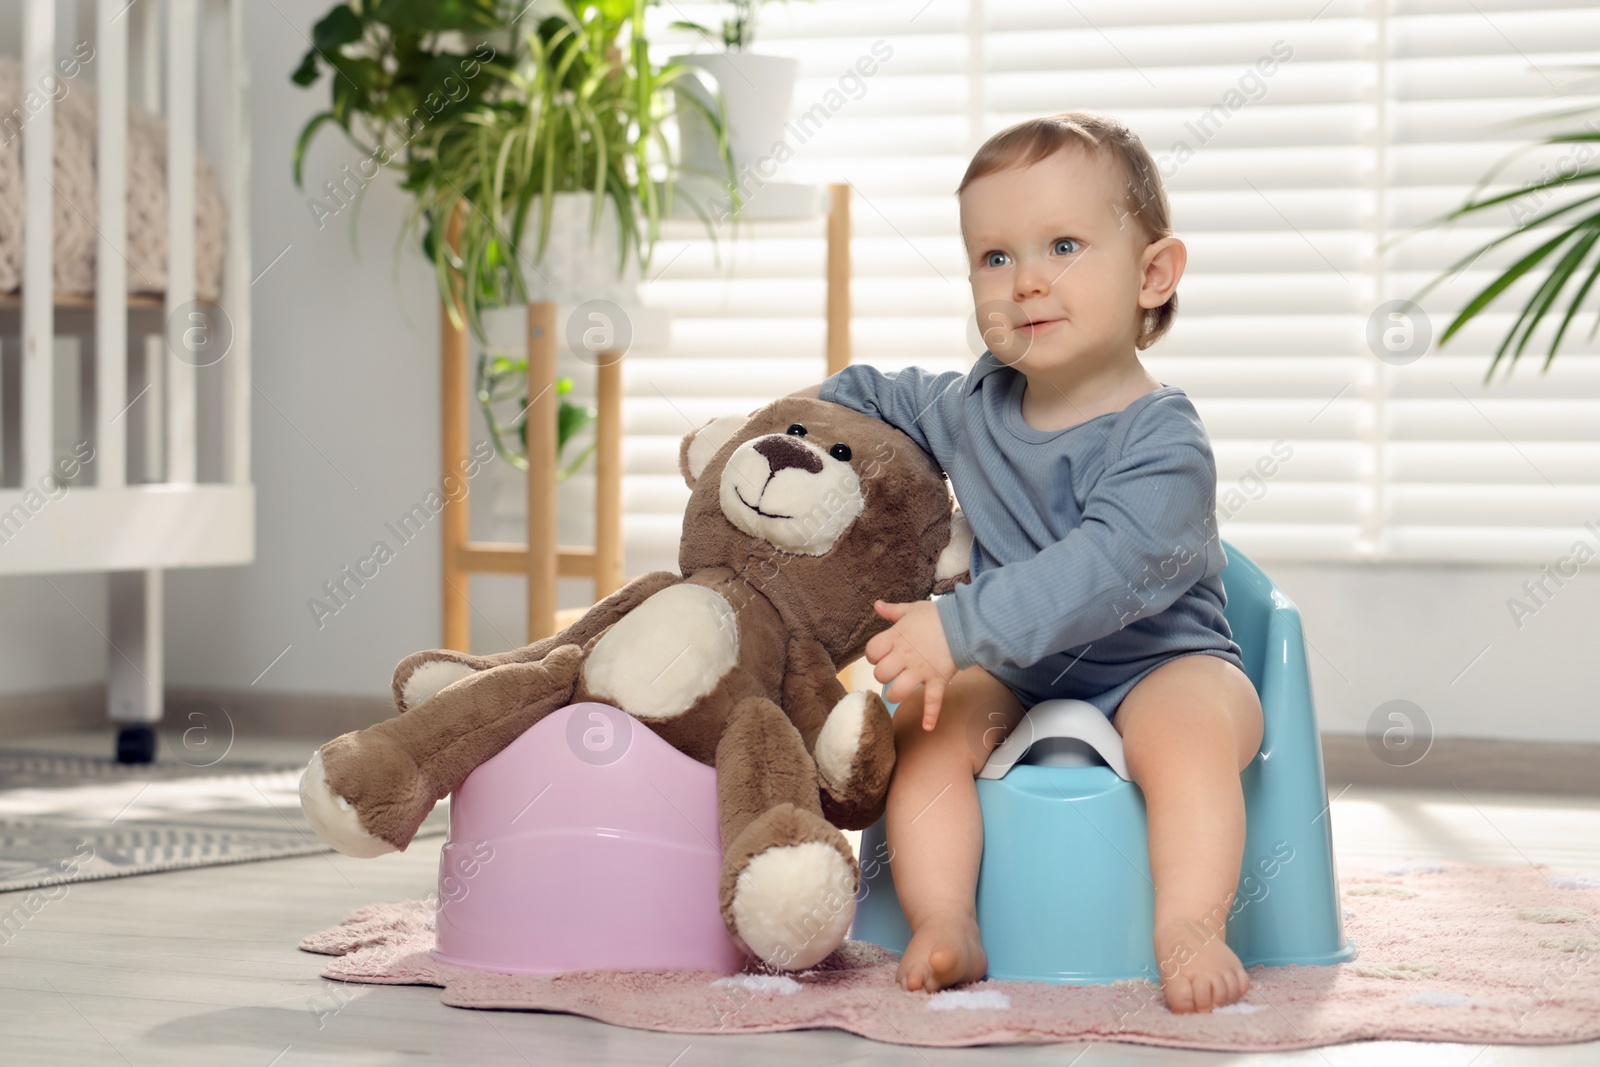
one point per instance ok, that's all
(136, 744)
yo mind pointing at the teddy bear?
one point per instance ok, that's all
(800, 516)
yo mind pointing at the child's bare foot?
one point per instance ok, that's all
(944, 951)
(1198, 970)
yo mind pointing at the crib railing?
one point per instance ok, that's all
(95, 518)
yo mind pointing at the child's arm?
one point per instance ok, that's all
(922, 405)
(913, 652)
(1145, 536)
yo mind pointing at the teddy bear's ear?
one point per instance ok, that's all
(700, 445)
(951, 569)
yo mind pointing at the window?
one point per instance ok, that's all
(1298, 141)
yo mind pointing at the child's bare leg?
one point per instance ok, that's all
(935, 831)
(1188, 728)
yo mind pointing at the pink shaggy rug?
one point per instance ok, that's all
(1444, 952)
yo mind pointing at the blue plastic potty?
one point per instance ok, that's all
(1064, 887)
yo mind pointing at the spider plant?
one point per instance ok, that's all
(562, 97)
(578, 113)
(1578, 233)
(577, 116)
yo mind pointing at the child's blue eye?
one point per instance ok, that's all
(1065, 241)
(988, 260)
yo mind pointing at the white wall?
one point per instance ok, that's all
(345, 437)
(1442, 637)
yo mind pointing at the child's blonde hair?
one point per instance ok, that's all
(1030, 141)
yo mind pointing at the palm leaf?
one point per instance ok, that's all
(1572, 309)
(1546, 295)
(1471, 256)
(1583, 235)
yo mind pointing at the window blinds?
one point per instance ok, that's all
(1301, 144)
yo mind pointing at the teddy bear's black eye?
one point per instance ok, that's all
(796, 429)
(840, 452)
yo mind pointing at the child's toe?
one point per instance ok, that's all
(1238, 984)
(945, 965)
(1180, 995)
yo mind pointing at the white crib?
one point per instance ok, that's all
(185, 59)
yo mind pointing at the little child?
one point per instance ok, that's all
(1090, 487)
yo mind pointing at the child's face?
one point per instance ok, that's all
(1055, 242)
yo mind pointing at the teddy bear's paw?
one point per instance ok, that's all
(334, 818)
(793, 905)
(374, 773)
(854, 753)
(788, 889)
(421, 676)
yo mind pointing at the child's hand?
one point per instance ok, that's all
(913, 652)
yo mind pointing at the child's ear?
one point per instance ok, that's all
(698, 446)
(952, 567)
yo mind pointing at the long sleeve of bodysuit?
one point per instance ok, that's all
(920, 404)
(1143, 541)
(1144, 535)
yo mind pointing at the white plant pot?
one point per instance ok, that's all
(758, 91)
(577, 266)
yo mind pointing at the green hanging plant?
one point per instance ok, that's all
(502, 378)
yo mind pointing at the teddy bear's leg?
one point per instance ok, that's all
(789, 879)
(849, 735)
(366, 793)
(420, 676)
(854, 753)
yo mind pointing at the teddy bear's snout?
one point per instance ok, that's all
(778, 488)
(782, 451)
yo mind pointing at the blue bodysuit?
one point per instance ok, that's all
(1095, 555)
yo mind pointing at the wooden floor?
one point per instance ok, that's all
(200, 967)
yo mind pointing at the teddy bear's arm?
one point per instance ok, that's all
(422, 674)
(595, 620)
(849, 735)
(810, 688)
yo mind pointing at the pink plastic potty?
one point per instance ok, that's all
(588, 843)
